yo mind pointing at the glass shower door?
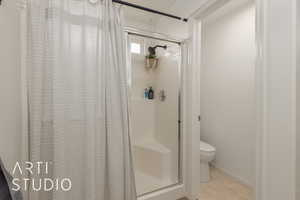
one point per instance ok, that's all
(155, 88)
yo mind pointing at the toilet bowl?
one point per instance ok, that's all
(207, 154)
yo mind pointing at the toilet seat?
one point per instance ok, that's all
(206, 147)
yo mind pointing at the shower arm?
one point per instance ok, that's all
(152, 50)
(164, 47)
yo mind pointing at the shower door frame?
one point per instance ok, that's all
(178, 190)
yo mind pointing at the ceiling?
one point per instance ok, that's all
(182, 8)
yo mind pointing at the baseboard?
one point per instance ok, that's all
(238, 179)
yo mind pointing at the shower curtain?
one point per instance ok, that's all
(78, 106)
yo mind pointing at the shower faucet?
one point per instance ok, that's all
(162, 95)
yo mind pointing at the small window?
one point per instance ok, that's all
(135, 48)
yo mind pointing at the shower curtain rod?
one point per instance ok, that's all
(145, 9)
(149, 10)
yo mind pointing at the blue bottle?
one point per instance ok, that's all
(146, 93)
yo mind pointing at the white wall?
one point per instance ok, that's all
(138, 24)
(277, 83)
(142, 110)
(154, 118)
(227, 89)
(10, 111)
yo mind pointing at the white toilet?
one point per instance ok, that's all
(207, 154)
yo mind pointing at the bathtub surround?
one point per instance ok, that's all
(78, 107)
(227, 89)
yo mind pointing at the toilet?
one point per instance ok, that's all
(207, 154)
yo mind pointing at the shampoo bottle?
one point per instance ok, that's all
(150, 93)
(146, 93)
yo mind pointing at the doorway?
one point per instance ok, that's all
(227, 102)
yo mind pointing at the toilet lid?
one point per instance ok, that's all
(206, 147)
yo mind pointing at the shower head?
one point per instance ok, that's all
(152, 50)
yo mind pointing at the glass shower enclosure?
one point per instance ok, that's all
(154, 81)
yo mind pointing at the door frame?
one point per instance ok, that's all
(177, 190)
(275, 87)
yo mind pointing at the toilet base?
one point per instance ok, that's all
(204, 172)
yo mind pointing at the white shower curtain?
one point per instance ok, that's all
(77, 94)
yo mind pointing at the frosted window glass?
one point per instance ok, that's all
(135, 48)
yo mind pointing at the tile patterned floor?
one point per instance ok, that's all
(224, 187)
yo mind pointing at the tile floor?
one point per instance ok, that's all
(224, 187)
